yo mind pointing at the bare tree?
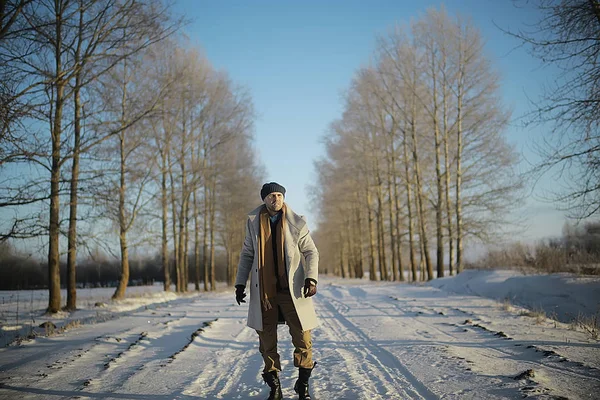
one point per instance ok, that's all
(21, 144)
(59, 82)
(12, 26)
(107, 32)
(567, 36)
(239, 178)
(129, 95)
(433, 59)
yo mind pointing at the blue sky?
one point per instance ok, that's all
(297, 57)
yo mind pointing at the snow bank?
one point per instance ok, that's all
(562, 296)
(23, 312)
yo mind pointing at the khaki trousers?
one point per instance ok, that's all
(268, 336)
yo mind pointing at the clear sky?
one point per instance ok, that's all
(297, 57)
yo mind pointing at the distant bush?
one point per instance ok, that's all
(590, 325)
(577, 251)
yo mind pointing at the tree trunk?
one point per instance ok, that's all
(438, 179)
(397, 222)
(165, 226)
(181, 245)
(186, 244)
(213, 285)
(411, 244)
(196, 243)
(419, 195)
(391, 216)
(205, 239)
(359, 243)
(124, 280)
(342, 256)
(447, 184)
(230, 267)
(349, 253)
(183, 211)
(459, 148)
(372, 273)
(54, 299)
(174, 227)
(123, 224)
(72, 234)
(383, 272)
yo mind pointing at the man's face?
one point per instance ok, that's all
(274, 201)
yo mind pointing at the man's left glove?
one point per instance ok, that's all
(239, 294)
(310, 287)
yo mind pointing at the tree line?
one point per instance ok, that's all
(418, 161)
(116, 134)
(429, 107)
(21, 272)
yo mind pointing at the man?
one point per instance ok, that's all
(282, 261)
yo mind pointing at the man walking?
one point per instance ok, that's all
(282, 261)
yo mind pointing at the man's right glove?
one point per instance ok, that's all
(239, 294)
(310, 287)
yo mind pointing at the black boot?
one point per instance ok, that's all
(272, 380)
(301, 386)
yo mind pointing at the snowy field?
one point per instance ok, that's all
(465, 337)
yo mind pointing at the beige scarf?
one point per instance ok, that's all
(266, 263)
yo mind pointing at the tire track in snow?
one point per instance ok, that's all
(75, 363)
(514, 356)
(234, 372)
(348, 362)
(152, 346)
(394, 380)
(423, 351)
(57, 347)
(524, 355)
(191, 369)
(104, 353)
(70, 365)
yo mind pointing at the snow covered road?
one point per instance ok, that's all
(376, 341)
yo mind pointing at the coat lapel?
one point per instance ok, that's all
(292, 232)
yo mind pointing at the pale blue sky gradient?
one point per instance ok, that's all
(296, 58)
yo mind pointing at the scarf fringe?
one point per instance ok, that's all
(266, 304)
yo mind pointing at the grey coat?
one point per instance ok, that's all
(301, 258)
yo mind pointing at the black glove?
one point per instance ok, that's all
(310, 287)
(239, 294)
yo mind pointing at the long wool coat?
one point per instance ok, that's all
(301, 259)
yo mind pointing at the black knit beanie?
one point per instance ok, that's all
(271, 187)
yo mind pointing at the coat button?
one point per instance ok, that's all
(257, 285)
